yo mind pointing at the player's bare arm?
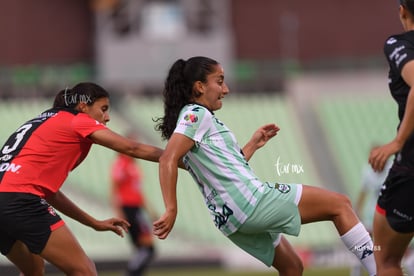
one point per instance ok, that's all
(259, 139)
(177, 147)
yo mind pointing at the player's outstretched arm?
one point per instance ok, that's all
(117, 225)
(259, 139)
(63, 204)
(119, 143)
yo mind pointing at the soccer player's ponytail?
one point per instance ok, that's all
(178, 89)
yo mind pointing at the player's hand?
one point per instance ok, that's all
(116, 225)
(379, 155)
(163, 226)
(264, 134)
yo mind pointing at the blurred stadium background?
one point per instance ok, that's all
(314, 68)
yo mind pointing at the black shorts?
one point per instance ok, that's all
(396, 201)
(140, 225)
(27, 218)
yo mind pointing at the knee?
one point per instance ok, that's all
(291, 266)
(297, 268)
(294, 268)
(90, 268)
(86, 267)
(35, 271)
(387, 263)
(33, 268)
(342, 204)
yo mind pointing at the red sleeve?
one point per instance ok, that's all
(84, 125)
(117, 171)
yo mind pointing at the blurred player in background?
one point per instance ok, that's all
(129, 202)
(394, 219)
(251, 213)
(371, 183)
(35, 162)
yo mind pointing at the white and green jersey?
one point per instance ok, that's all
(230, 187)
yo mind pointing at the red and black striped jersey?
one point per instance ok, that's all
(39, 155)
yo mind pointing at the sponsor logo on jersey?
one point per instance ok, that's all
(9, 167)
(366, 250)
(190, 117)
(46, 115)
(51, 211)
(397, 55)
(402, 215)
(391, 41)
(6, 157)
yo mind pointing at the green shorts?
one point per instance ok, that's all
(276, 212)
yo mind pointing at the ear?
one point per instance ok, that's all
(199, 87)
(82, 107)
(403, 12)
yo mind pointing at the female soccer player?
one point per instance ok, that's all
(35, 161)
(251, 213)
(394, 218)
(129, 202)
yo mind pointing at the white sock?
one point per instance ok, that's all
(140, 258)
(359, 242)
(408, 263)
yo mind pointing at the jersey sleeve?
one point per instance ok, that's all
(84, 125)
(194, 123)
(398, 52)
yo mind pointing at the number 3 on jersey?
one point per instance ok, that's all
(19, 135)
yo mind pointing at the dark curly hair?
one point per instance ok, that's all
(178, 89)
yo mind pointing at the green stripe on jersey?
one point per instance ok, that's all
(229, 186)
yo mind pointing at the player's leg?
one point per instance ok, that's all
(286, 261)
(390, 247)
(318, 204)
(141, 235)
(28, 263)
(64, 251)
